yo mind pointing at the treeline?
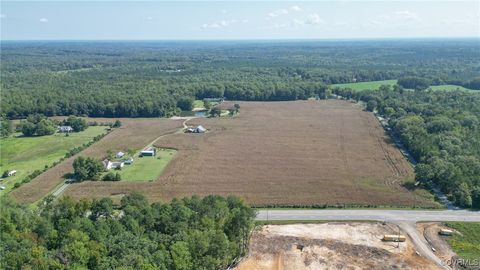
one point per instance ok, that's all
(440, 129)
(421, 83)
(191, 233)
(148, 79)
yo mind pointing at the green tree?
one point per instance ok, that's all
(185, 103)
(77, 123)
(371, 105)
(45, 127)
(28, 128)
(87, 168)
(182, 259)
(462, 196)
(215, 112)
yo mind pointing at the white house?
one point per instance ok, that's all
(64, 129)
(112, 165)
(12, 172)
(200, 129)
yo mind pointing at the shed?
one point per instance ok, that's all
(12, 172)
(120, 154)
(148, 152)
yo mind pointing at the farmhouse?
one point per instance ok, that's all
(64, 129)
(112, 164)
(148, 152)
(198, 129)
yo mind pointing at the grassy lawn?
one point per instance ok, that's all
(147, 168)
(466, 245)
(374, 85)
(198, 104)
(449, 87)
(27, 154)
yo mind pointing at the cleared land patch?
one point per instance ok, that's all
(135, 133)
(359, 86)
(27, 154)
(335, 245)
(283, 153)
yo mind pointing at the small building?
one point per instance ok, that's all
(64, 129)
(112, 164)
(11, 173)
(148, 152)
(128, 161)
(200, 129)
(394, 238)
(120, 154)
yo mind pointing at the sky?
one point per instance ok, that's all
(225, 20)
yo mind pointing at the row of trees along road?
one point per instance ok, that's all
(441, 129)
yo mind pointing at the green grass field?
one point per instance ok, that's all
(466, 245)
(198, 104)
(27, 154)
(449, 87)
(147, 168)
(360, 86)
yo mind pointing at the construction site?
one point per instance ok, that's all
(343, 245)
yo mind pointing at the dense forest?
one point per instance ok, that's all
(440, 129)
(149, 79)
(191, 233)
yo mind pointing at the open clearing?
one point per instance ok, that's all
(335, 245)
(359, 86)
(27, 154)
(283, 153)
(147, 168)
(135, 133)
(449, 87)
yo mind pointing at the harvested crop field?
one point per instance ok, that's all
(133, 134)
(330, 246)
(284, 153)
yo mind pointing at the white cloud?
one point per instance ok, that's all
(314, 19)
(222, 23)
(407, 15)
(295, 8)
(278, 12)
(44, 20)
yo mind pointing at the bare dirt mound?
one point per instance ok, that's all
(330, 246)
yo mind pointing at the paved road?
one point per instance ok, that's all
(405, 219)
(381, 215)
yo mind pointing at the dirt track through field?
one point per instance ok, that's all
(289, 153)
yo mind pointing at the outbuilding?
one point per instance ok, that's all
(148, 152)
(120, 154)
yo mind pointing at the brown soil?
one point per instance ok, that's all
(329, 246)
(289, 153)
(430, 232)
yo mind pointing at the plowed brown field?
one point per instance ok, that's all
(286, 153)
